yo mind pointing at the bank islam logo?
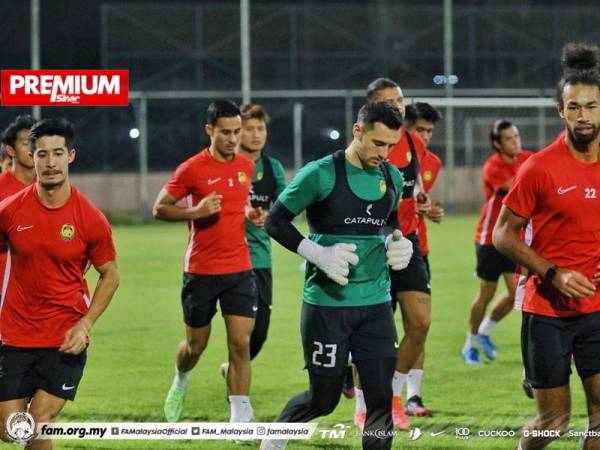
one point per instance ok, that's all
(20, 427)
(338, 431)
(65, 87)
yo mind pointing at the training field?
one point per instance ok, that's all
(131, 359)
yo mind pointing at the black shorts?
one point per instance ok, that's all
(264, 287)
(236, 293)
(25, 370)
(427, 268)
(330, 333)
(547, 344)
(491, 263)
(414, 277)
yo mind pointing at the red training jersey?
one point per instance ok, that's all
(430, 169)
(44, 291)
(496, 172)
(401, 157)
(561, 198)
(9, 185)
(217, 244)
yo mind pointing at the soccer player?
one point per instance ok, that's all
(15, 140)
(267, 184)
(421, 119)
(498, 174)
(215, 184)
(53, 233)
(555, 197)
(350, 199)
(410, 287)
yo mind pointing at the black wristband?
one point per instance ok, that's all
(551, 273)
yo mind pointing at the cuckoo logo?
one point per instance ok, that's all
(65, 87)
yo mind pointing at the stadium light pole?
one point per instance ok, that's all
(245, 49)
(143, 158)
(449, 119)
(36, 111)
(298, 107)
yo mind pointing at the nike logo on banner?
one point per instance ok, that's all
(433, 434)
(213, 181)
(23, 228)
(562, 190)
(67, 388)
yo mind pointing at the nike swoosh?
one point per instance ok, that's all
(213, 181)
(67, 388)
(23, 228)
(562, 190)
(437, 434)
(396, 345)
(255, 308)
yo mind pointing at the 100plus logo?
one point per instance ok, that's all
(65, 87)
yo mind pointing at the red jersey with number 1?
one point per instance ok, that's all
(217, 244)
(430, 169)
(44, 291)
(9, 185)
(496, 172)
(560, 196)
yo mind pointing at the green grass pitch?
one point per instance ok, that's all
(131, 359)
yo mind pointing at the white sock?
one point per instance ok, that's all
(470, 342)
(487, 326)
(241, 409)
(398, 383)
(361, 406)
(520, 447)
(182, 379)
(413, 383)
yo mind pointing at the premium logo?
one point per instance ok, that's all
(65, 87)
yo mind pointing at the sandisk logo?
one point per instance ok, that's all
(65, 87)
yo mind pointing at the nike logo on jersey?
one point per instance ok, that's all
(255, 308)
(67, 388)
(24, 227)
(213, 180)
(562, 190)
(396, 345)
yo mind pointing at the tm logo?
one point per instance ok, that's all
(338, 432)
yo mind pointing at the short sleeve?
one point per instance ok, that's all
(494, 176)
(101, 248)
(303, 190)
(523, 196)
(181, 182)
(279, 174)
(4, 225)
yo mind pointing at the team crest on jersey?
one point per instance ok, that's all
(382, 186)
(67, 232)
(409, 156)
(427, 175)
(259, 176)
(242, 178)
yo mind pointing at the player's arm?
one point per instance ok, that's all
(166, 208)
(76, 338)
(421, 197)
(506, 239)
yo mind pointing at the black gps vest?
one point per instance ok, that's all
(262, 191)
(344, 213)
(411, 171)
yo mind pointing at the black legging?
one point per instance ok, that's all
(324, 394)
(261, 327)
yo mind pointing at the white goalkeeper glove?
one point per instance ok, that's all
(333, 260)
(399, 250)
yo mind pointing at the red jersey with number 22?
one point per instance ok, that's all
(44, 291)
(217, 244)
(561, 198)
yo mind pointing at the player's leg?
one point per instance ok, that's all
(17, 378)
(325, 341)
(44, 408)
(373, 345)
(547, 345)
(239, 305)
(587, 360)
(198, 300)
(264, 285)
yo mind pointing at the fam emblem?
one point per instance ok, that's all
(20, 427)
(259, 176)
(427, 175)
(382, 186)
(67, 232)
(409, 156)
(242, 177)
